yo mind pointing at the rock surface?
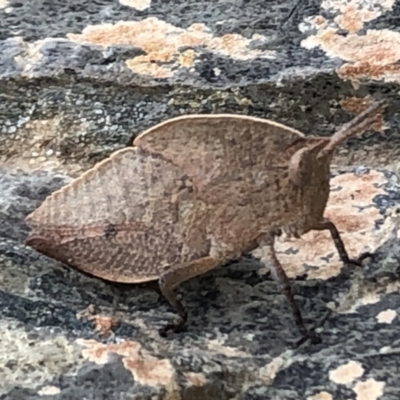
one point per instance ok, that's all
(62, 339)
(86, 79)
(78, 81)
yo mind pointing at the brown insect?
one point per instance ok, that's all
(192, 194)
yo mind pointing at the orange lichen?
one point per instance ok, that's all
(319, 20)
(187, 58)
(369, 389)
(364, 300)
(49, 391)
(358, 189)
(341, 5)
(346, 373)
(321, 396)
(197, 379)
(103, 324)
(353, 17)
(378, 47)
(371, 55)
(355, 105)
(137, 4)
(366, 11)
(162, 42)
(268, 372)
(386, 317)
(145, 368)
(365, 69)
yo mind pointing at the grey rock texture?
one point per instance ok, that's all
(62, 335)
(79, 80)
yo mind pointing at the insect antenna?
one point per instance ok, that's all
(356, 125)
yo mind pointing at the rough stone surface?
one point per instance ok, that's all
(60, 336)
(73, 90)
(70, 94)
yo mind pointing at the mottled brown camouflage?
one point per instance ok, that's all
(193, 193)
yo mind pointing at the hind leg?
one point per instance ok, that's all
(173, 277)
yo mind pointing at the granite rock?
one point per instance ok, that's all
(87, 79)
(80, 80)
(66, 335)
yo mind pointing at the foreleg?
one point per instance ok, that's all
(326, 224)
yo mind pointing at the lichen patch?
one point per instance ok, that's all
(49, 391)
(162, 42)
(218, 347)
(369, 389)
(353, 13)
(361, 189)
(140, 5)
(378, 47)
(341, 5)
(386, 317)
(145, 369)
(346, 373)
(268, 372)
(321, 396)
(360, 299)
(371, 55)
(364, 69)
(103, 323)
(353, 18)
(187, 58)
(197, 379)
